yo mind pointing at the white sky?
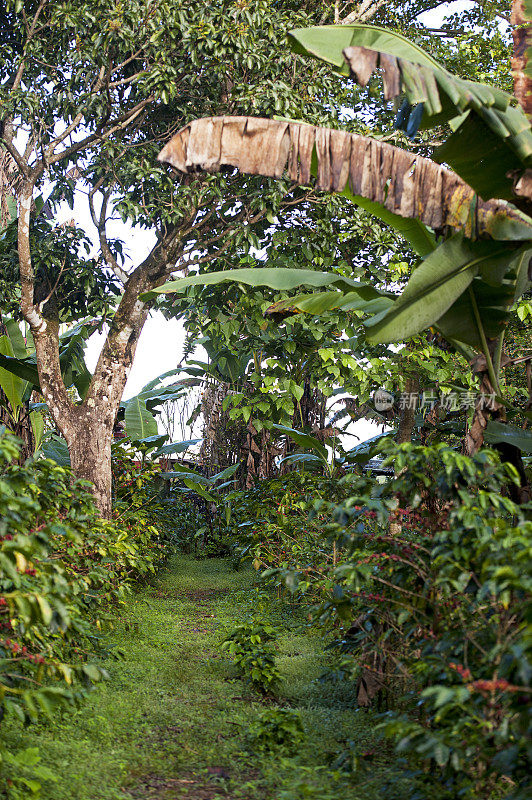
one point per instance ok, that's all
(160, 346)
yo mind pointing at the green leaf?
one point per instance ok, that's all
(199, 489)
(492, 138)
(277, 278)
(228, 472)
(37, 426)
(420, 237)
(436, 284)
(484, 166)
(23, 368)
(493, 303)
(140, 423)
(327, 42)
(176, 447)
(302, 458)
(16, 338)
(500, 432)
(56, 448)
(12, 386)
(303, 440)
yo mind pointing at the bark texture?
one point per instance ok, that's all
(89, 444)
(522, 38)
(406, 184)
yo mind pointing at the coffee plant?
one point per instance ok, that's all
(61, 570)
(276, 729)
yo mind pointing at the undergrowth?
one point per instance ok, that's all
(174, 721)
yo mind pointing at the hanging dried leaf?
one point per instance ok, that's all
(406, 184)
(362, 61)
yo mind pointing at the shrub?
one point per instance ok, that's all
(60, 568)
(425, 583)
(436, 608)
(251, 646)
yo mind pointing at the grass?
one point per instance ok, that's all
(172, 722)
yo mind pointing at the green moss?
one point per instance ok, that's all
(172, 722)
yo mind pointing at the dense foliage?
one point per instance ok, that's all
(417, 579)
(421, 584)
(62, 570)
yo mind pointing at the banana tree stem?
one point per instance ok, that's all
(498, 355)
(484, 341)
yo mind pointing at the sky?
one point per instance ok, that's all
(160, 346)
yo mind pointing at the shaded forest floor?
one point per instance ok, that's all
(173, 721)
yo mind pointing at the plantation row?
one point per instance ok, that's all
(427, 619)
(64, 572)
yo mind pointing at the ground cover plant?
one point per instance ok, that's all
(173, 721)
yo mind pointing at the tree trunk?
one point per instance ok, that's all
(408, 412)
(405, 428)
(522, 40)
(89, 445)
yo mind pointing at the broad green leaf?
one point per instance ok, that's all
(436, 284)
(22, 368)
(199, 489)
(500, 432)
(176, 447)
(12, 386)
(303, 440)
(37, 426)
(493, 303)
(492, 138)
(228, 472)
(56, 449)
(16, 338)
(151, 442)
(484, 166)
(140, 423)
(302, 458)
(181, 471)
(276, 278)
(327, 42)
(420, 237)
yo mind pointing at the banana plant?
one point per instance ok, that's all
(199, 484)
(138, 412)
(17, 391)
(20, 360)
(464, 286)
(316, 455)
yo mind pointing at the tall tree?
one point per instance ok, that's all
(88, 92)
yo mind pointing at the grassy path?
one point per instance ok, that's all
(172, 724)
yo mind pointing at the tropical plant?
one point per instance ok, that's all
(436, 616)
(61, 569)
(16, 393)
(318, 455)
(464, 286)
(200, 484)
(115, 73)
(276, 730)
